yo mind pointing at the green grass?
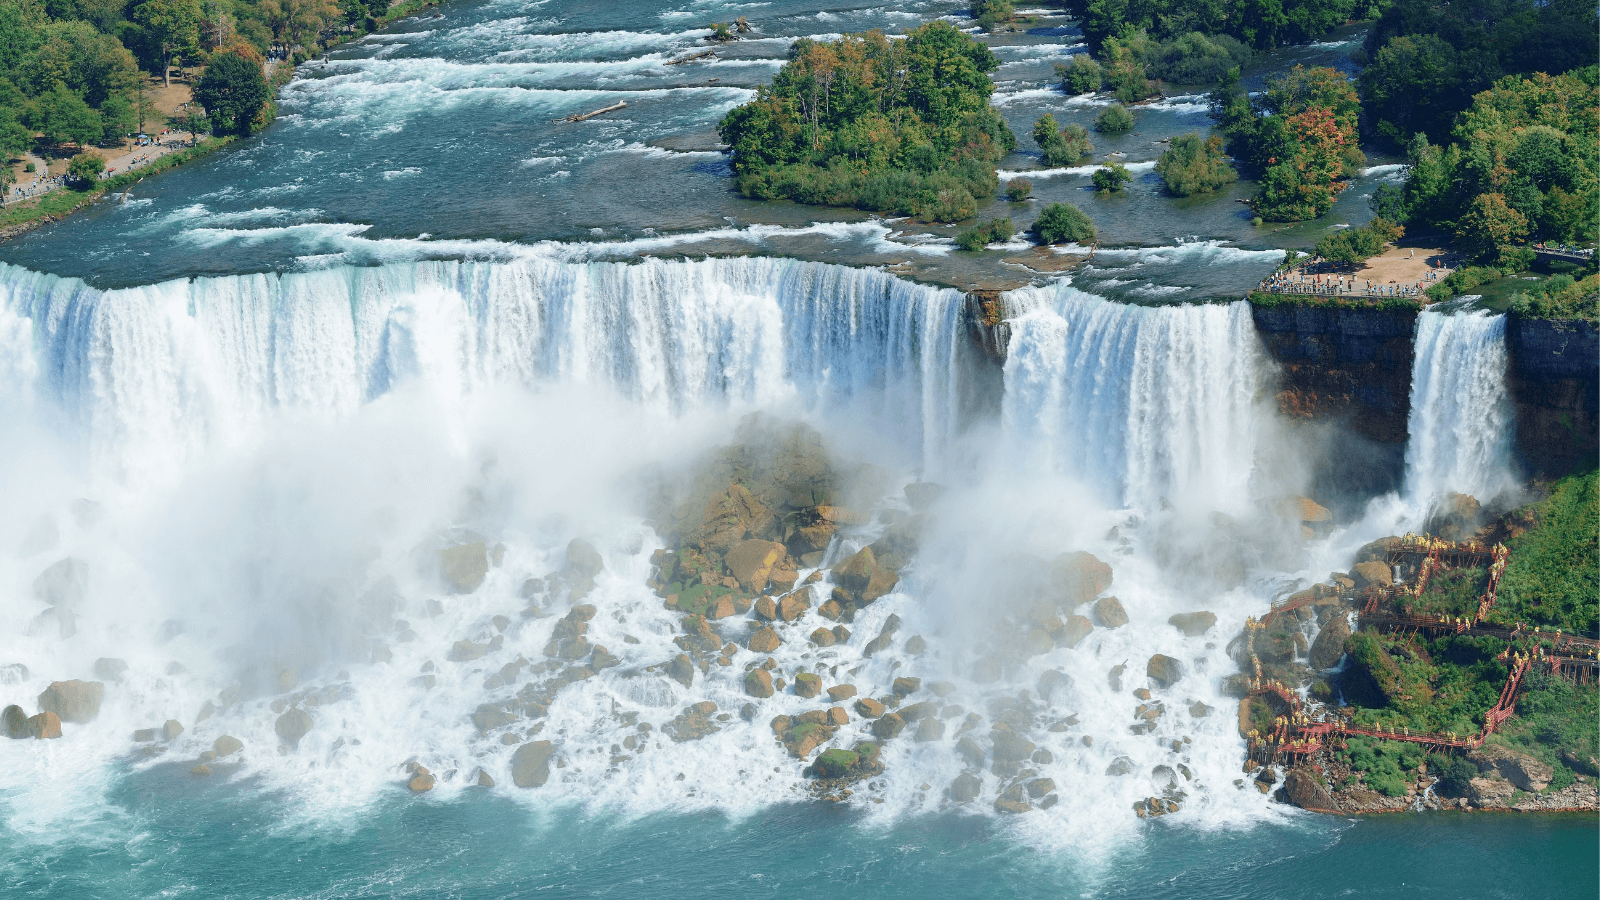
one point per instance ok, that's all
(1551, 576)
(1452, 592)
(1386, 766)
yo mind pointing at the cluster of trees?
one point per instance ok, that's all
(991, 14)
(1424, 62)
(1354, 246)
(70, 70)
(1524, 165)
(901, 126)
(1195, 165)
(1120, 70)
(1061, 146)
(1261, 24)
(1063, 222)
(1133, 64)
(1115, 119)
(992, 232)
(1561, 297)
(1299, 137)
(1111, 177)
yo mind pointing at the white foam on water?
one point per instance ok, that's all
(1005, 174)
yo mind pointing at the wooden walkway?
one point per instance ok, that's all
(1296, 733)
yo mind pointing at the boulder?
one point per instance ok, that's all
(44, 726)
(464, 566)
(888, 726)
(1079, 577)
(1307, 512)
(64, 583)
(109, 669)
(14, 722)
(1454, 517)
(1306, 790)
(835, 763)
(1010, 746)
(1490, 791)
(921, 494)
(1055, 686)
(1122, 765)
(1374, 572)
(1038, 787)
(421, 781)
(583, 565)
(905, 687)
(869, 707)
(1327, 649)
(1525, 772)
(530, 764)
(822, 637)
(1193, 624)
(807, 684)
(751, 563)
(1109, 612)
(965, 788)
(74, 701)
(765, 640)
(841, 692)
(837, 716)
(793, 606)
(171, 729)
(227, 745)
(292, 726)
(930, 729)
(1164, 670)
(766, 609)
(758, 683)
(466, 651)
(681, 670)
(863, 576)
(1074, 631)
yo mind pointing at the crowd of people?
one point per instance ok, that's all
(1308, 281)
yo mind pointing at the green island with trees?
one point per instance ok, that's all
(893, 126)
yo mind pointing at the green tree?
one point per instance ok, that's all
(1063, 222)
(1081, 76)
(62, 116)
(116, 119)
(1111, 178)
(1061, 147)
(1019, 189)
(1490, 226)
(232, 90)
(85, 169)
(991, 14)
(1194, 165)
(174, 26)
(1115, 119)
(1406, 88)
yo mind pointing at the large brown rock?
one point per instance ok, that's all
(965, 788)
(888, 726)
(44, 726)
(681, 669)
(1306, 790)
(729, 517)
(293, 725)
(1164, 670)
(1454, 517)
(530, 765)
(1074, 631)
(751, 562)
(1079, 577)
(1525, 772)
(464, 566)
(765, 640)
(1374, 572)
(758, 683)
(863, 576)
(1193, 624)
(1329, 645)
(1109, 612)
(1490, 791)
(74, 701)
(14, 722)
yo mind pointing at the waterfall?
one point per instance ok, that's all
(1461, 414)
(1150, 404)
(166, 370)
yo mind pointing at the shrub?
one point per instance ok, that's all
(1195, 58)
(1019, 189)
(1111, 178)
(85, 169)
(1354, 246)
(993, 13)
(1082, 76)
(1064, 147)
(1062, 223)
(1192, 165)
(1114, 120)
(1560, 298)
(979, 236)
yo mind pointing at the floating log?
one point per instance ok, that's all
(124, 197)
(691, 57)
(579, 117)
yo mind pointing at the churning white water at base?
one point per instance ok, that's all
(1152, 405)
(250, 469)
(1462, 419)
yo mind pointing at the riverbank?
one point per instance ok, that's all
(20, 217)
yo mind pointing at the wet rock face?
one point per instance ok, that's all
(77, 702)
(14, 722)
(1109, 612)
(1164, 671)
(293, 725)
(965, 788)
(1370, 573)
(1521, 770)
(44, 726)
(1553, 382)
(1305, 789)
(464, 566)
(1329, 645)
(530, 764)
(1454, 517)
(1193, 624)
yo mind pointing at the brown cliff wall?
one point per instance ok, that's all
(1555, 384)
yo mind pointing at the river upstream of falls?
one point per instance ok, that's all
(245, 408)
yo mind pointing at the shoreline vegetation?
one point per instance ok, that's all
(107, 98)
